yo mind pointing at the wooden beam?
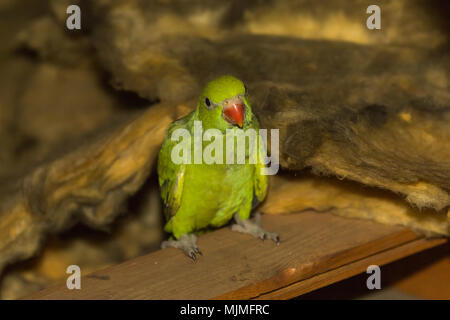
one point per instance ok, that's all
(316, 249)
(351, 269)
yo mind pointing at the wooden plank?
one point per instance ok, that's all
(237, 266)
(351, 269)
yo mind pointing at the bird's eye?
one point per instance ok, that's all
(208, 103)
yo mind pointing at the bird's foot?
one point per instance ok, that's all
(254, 228)
(187, 243)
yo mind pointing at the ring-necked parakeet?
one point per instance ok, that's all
(197, 196)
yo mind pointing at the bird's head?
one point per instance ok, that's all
(223, 104)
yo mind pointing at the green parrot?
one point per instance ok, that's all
(197, 196)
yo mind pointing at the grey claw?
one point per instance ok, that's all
(254, 228)
(277, 240)
(187, 243)
(193, 256)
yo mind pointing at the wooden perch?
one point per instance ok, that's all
(317, 249)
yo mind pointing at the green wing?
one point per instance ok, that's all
(261, 181)
(170, 174)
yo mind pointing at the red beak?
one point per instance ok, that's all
(234, 113)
